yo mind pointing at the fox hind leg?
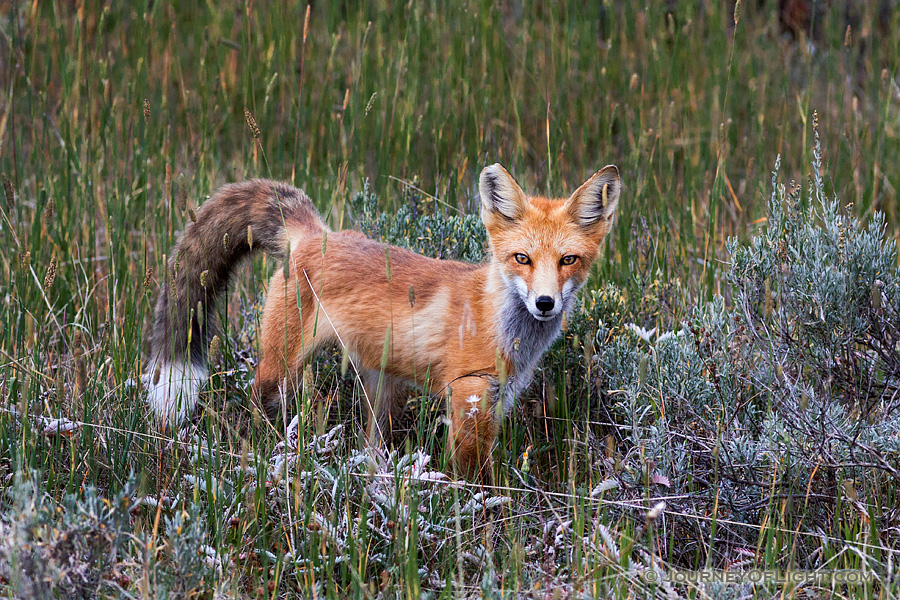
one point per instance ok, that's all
(287, 343)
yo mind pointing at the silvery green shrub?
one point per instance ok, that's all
(70, 549)
(429, 228)
(789, 386)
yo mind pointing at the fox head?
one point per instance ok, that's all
(542, 247)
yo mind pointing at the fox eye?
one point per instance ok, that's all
(568, 260)
(522, 259)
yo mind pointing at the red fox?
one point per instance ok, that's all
(477, 330)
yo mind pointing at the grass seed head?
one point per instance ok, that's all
(51, 274)
(309, 382)
(633, 83)
(146, 110)
(167, 184)
(181, 193)
(25, 260)
(8, 190)
(251, 123)
(47, 216)
(148, 279)
(173, 289)
(80, 369)
(501, 368)
(214, 347)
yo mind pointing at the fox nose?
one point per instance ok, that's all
(544, 303)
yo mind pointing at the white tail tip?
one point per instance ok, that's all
(172, 390)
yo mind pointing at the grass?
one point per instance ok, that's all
(117, 119)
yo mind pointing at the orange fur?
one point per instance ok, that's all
(450, 332)
(478, 331)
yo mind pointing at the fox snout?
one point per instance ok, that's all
(544, 305)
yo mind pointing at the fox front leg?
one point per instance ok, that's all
(474, 422)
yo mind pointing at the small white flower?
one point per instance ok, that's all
(641, 332)
(604, 486)
(669, 334)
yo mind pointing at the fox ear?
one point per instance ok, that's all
(596, 200)
(500, 193)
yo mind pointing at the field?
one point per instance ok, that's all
(725, 397)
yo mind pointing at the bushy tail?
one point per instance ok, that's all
(238, 220)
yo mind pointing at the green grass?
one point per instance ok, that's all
(115, 120)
